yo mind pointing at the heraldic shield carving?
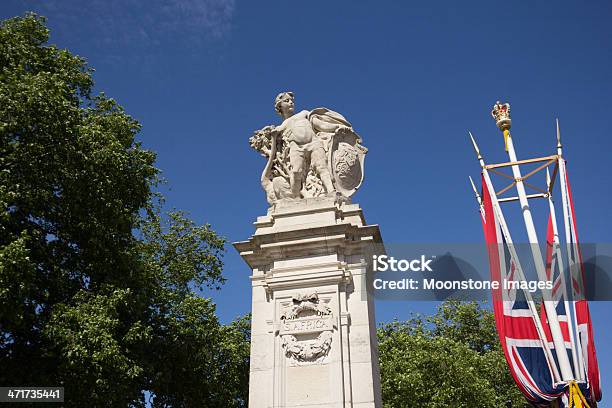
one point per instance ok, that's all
(347, 157)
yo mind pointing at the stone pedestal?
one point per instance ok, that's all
(313, 329)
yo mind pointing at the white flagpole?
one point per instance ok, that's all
(553, 320)
(515, 259)
(477, 194)
(557, 251)
(569, 239)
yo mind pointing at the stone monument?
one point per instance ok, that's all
(313, 332)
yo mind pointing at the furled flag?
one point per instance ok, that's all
(583, 317)
(529, 357)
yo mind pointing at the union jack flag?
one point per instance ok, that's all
(584, 329)
(524, 332)
(528, 356)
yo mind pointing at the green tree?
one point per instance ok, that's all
(98, 288)
(450, 359)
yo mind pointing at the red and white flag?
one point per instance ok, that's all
(581, 306)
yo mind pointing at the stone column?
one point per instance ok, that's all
(313, 329)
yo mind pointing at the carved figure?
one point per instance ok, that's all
(303, 304)
(310, 154)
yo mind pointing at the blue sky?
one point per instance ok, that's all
(412, 77)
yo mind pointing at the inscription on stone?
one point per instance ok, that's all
(306, 325)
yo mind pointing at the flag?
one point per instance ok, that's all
(583, 316)
(558, 294)
(528, 351)
(555, 274)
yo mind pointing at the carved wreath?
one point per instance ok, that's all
(307, 351)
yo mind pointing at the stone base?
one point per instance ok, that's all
(313, 330)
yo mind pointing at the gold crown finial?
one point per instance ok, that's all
(501, 114)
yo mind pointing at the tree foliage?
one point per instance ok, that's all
(450, 359)
(97, 286)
